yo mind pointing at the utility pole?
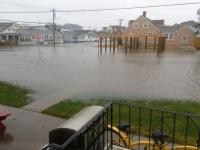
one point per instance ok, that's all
(120, 24)
(54, 37)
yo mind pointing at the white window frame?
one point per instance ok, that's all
(168, 36)
(145, 25)
(182, 38)
(150, 34)
(136, 25)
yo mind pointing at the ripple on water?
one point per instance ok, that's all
(193, 81)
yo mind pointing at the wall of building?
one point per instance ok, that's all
(141, 31)
(179, 37)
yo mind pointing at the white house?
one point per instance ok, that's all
(39, 34)
(9, 33)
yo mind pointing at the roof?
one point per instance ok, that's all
(168, 29)
(192, 29)
(158, 22)
(38, 29)
(81, 32)
(5, 25)
(131, 21)
(150, 22)
(189, 23)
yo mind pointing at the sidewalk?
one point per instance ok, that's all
(26, 130)
(41, 104)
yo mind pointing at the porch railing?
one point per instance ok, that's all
(140, 124)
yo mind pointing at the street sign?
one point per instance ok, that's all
(37, 36)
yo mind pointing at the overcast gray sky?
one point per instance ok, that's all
(175, 14)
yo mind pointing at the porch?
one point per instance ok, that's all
(9, 39)
(121, 126)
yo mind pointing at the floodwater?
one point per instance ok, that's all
(80, 67)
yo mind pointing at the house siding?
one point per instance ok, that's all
(141, 31)
(173, 43)
(190, 37)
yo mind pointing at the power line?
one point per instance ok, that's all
(104, 9)
(23, 21)
(24, 12)
(124, 8)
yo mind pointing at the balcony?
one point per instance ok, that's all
(121, 126)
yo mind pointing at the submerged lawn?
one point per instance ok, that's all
(13, 95)
(68, 108)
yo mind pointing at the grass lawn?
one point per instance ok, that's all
(68, 108)
(13, 95)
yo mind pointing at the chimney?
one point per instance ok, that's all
(144, 13)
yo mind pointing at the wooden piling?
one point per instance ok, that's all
(137, 43)
(134, 45)
(100, 44)
(113, 44)
(118, 43)
(154, 45)
(126, 41)
(158, 45)
(110, 43)
(131, 43)
(105, 44)
(145, 46)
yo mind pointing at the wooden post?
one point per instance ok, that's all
(100, 44)
(164, 40)
(158, 45)
(126, 44)
(137, 43)
(154, 46)
(145, 43)
(110, 43)
(134, 46)
(105, 44)
(131, 43)
(113, 44)
(118, 43)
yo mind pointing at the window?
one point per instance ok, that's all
(46, 36)
(166, 35)
(150, 34)
(184, 38)
(145, 25)
(136, 25)
(3, 37)
(169, 36)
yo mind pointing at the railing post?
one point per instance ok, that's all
(198, 141)
(174, 130)
(111, 119)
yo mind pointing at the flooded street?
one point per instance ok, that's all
(171, 75)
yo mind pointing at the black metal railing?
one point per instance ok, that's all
(137, 124)
(155, 125)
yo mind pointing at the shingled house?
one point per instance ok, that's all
(177, 36)
(9, 33)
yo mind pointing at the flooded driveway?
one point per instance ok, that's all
(80, 66)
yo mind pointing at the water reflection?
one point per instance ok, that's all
(103, 72)
(6, 138)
